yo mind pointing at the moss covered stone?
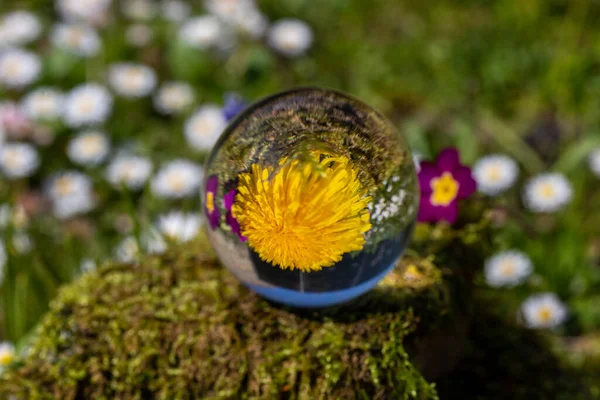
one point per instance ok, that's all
(179, 326)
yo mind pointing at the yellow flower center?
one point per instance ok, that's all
(445, 190)
(494, 174)
(546, 190)
(545, 314)
(176, 183)
(91, 144)
(6, 358)
(508, 268)
(304, 215)
(210, 202)
(64, 186)
(412, 273)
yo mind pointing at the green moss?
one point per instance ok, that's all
(180, 326)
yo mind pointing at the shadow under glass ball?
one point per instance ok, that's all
(310, 197)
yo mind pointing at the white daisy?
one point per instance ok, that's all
(19, 28)
(495, 174)
(143, 10)
(87, 104)
(88, 148)
(180, 227)
(547, 192)
(153, 242)
(544, 310)
(19, 68)
(7, 355)
(177, 179)
(18, 160)
(594, 161)
(13, 120)
(242, 14)
(131, 80)
(128, 250)
(22, 242)
(71, 194)
(508, 268)
(203, 32)
(44, 103)
(290, 37)
(204, 127)
(175, 10)
(173, 97)
(78, 39)
(138, 35)
(83, 10)
(129, 170)
(87, 265)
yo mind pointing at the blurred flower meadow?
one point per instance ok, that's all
(108, 110)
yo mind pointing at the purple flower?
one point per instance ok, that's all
(229, 218)
(234, 105)
(212, 212)
(442, 184)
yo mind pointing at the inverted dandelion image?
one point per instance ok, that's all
(19, 68)
(204, 127)
(495, 174)
(131, 80)
(87, 104)
(548, 192)
(317, 210)
(77, 39)
(507, 268)
(177, 179)
(18, 160)
(544, 310)
(88, 148)
(290, 37)
(129, 171)
(43, 104)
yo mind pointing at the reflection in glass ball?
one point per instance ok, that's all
(310, 197)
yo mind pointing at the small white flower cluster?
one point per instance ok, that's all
(290, 37)
(128, 170)
(43, 104)
(18, 160)
(385, 209)
(87, 104)
(88, 148)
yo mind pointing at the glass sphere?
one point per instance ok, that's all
(310, 197)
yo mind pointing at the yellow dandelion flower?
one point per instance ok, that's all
(305, 215)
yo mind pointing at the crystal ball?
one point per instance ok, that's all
(310, 197)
